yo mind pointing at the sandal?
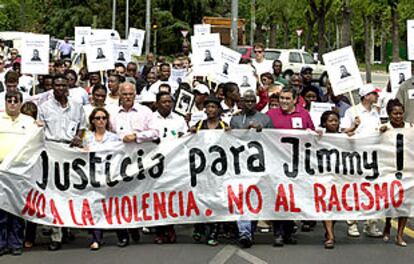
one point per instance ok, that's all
(28, 244)
(386, 237)
(94, 246)
(329, 244)
(400, 243)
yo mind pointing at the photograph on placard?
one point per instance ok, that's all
(343, 70)
(184, 103)
(206, 54)
(202, 29)
(399, 73)
(177, 75)
(136, 41)
(410, 39)
(35, 54)
(244, 77)
(81, 35)
(121, 52)
(229, 60)
(99, 55)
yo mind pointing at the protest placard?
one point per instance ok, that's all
(202, 29)
(399, 73)
(121, 52)
(316, 111)
(35, 54)
(177, 75)
(410, 39)
(136, 41)
(206, 54)
(229, 60)
(99, 54)
(202, 178)
(343, 70)
(81, 36)
(244, 77)
(111, 34)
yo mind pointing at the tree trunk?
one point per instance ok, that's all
(273, 31)
(367, 48)
(346, 24)
(321, 37)
(394, 31)
(285, 34)
(309, 31)
(383, 47)
(258, 34)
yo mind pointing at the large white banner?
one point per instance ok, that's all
(212, 176)
(35, 54)
(343, 70)
(410, 39)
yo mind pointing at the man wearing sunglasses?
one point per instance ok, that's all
(11, 226)
(260, 63)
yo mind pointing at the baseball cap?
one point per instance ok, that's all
(202, 89)
(305, 69)
(368, 88)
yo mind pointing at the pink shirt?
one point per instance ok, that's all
(138, 120)
(298, 119)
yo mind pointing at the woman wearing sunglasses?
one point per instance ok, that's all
(97, 136)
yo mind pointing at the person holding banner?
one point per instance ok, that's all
(363, 119)
(213, 121)
(290, 115)
(395, 112)
(133, 123)
(97, 136)
(330, 122)
(64, 122)
(249, 118)
(11, 226)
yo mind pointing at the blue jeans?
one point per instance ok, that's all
(11, 231)
(247, 228)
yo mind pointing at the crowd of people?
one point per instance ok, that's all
(134, 103)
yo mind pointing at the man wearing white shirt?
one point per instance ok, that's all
(260, 63)
(363, 119)
(164, 76)
(11, 82)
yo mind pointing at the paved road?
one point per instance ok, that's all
(309, 250)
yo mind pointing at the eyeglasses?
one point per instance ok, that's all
(12, 101)
(258, 51)
(100, 118)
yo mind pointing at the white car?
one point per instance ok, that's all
(294, 59)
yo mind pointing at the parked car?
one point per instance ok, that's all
(294, 59)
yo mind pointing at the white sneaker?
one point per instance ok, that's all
(353, 230)
(372, 230)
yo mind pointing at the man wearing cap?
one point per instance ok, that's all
(363, 120)
(406, 96)
(201, 92)
(289, 115)
(249, 118)
(11, 226)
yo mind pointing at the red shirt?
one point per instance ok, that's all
(298, 119)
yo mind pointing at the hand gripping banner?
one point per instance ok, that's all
(211, 176)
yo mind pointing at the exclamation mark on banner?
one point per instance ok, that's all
(400, 156)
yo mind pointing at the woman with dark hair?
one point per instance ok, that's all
(310, 94)
(76, 93)
(330, 122)
(395, 111)
(98, 135)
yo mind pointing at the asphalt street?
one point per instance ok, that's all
(308, 250)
